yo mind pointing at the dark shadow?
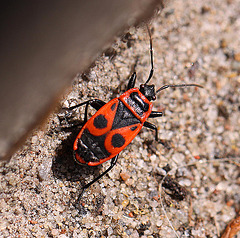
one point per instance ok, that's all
(65, 168)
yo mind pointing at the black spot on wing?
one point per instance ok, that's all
(100, 122)
(117, 140)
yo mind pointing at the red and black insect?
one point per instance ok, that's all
(116, 123)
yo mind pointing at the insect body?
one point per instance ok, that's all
(116, 123)
(112, 128)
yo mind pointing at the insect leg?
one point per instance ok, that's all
(132, 81)
(113, 162)
(153, 127)
(155, 114)
(95, 103)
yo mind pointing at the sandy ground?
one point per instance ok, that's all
(194, 42)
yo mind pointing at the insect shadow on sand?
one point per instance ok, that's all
(65, 168)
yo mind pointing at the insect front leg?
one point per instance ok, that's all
(132, 81)
(113, 163)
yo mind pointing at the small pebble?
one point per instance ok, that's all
(124, 176)
(125, 203)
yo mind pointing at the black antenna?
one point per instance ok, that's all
(151, 56)
(178, 85)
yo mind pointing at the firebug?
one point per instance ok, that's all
(116, 123)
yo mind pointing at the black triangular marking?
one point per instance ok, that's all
(123, 117)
